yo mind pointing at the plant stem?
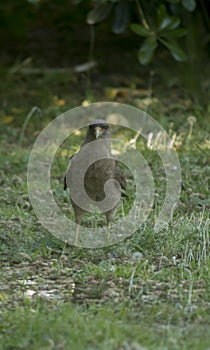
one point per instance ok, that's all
(142, 16)
(90, 56)
(33, 110)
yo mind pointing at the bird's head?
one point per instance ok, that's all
(98, 129)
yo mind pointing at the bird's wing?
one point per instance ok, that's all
(120, 177)
(64, 180)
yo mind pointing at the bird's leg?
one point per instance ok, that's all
(109, 218)
(78, 223)
(76, 234)
(79, 216)
(108, 230)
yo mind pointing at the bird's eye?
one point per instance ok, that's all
(104, 126)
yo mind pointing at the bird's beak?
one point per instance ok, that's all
(98, 131)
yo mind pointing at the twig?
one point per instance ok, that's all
(91, 55)
(133, 141)
(32, 111)
(142, 17)
(131, 281)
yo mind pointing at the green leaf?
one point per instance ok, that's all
(170, 23)
(161, 14)
(140, 30)
(34, 2)
(175, 50)
(175, 33)
(99, 13)
(190, 5)
(147, 49)
(121, 17)
(165, 21)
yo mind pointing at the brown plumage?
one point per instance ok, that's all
(99, 172)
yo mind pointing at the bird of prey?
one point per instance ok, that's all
(98, 173)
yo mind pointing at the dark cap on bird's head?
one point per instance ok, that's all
(99, 129)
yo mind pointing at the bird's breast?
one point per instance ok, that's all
(96, 176)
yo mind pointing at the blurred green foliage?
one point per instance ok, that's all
(54, 29)
(158, 23)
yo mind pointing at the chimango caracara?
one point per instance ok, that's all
(105, 168)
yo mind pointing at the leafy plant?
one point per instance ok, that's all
(102, 9)
(164, 30)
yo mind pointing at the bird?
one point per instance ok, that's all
(105, 168)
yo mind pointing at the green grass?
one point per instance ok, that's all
(150, 291)
(96, 327)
